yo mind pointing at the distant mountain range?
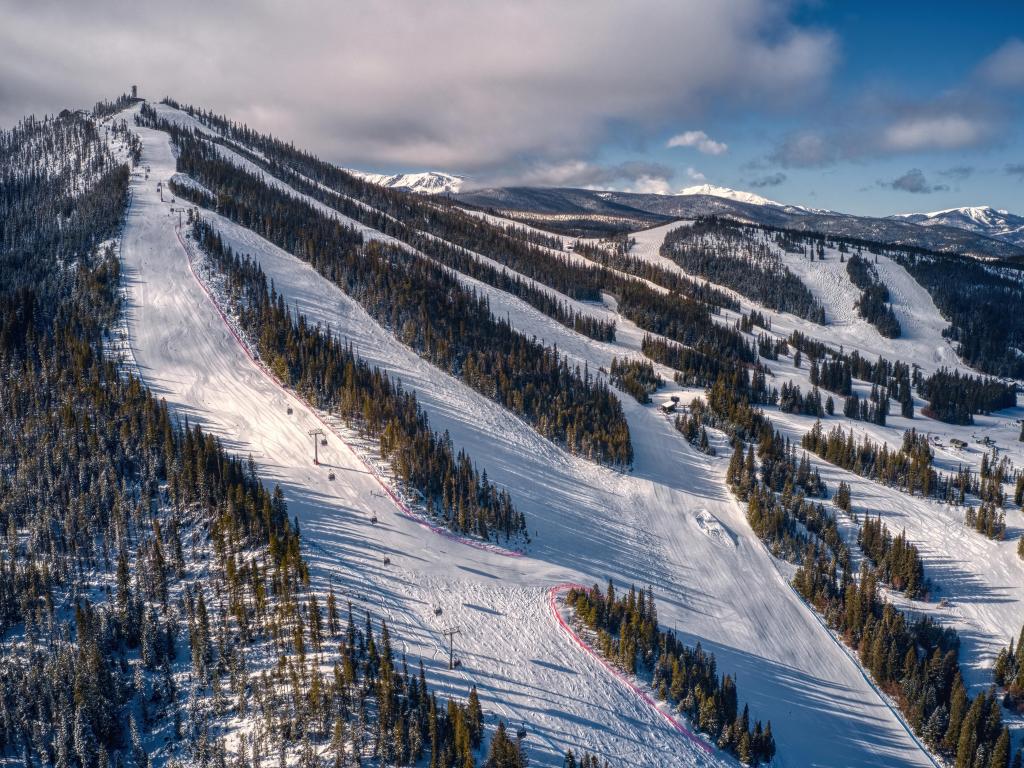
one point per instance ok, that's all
(998, 235)
(426, 182)
(979, 231)
(983, 219)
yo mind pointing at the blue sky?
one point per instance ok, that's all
(916, 64)
(865, 107)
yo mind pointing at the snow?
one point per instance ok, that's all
(426, 182)
(921, 340)
(671, 522)
(710, 527)
(980, 213)
(728, 194)
(980, 579)
(982, 219)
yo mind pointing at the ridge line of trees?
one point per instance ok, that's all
(330, 375)
(426, 307)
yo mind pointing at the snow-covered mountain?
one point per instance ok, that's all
(584, 207)
(729, 194)
(983, 219)
(426, 182)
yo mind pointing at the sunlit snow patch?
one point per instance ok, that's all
(713, 529)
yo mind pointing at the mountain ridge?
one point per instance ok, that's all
(645, 208)
(986, 220)
(424, 182)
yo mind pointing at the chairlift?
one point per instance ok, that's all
(373, 519)
(330, 475)
(323, 441)
(438, 610)
(457, 663)
(387, 560)
(521, 733)
(289, 410)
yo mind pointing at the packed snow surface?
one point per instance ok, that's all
(977, 584)
(670, 522)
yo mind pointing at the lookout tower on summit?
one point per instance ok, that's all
(135, 91)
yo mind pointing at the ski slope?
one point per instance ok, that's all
(979, 580)
(587, 523)
(921, 340)
(189, 356)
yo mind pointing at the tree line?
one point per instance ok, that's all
(873, 304)
(426, 307)
(447, 234)
(683, 676)
(122, 527)
(730, 254)
(328, 373)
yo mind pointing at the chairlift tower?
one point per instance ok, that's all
(316, 434)
(450, 633)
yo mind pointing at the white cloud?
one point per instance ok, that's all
(913, 181)
(805, 150)
(700, 141)
(476, 88)
(1005, 66)
(950, 131)
(694, 175)
(629, 176)
(650, 185)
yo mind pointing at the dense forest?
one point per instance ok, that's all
(914, 661)
(694, 368)
(974, 297)
(873, 304)
(1009, 672)
(896, 561)
(448, 236)
(685, 677)
(144, 571)
(330, 376)
(955, 398)
(733, 255)
(426, 306)
(835, 371)
(616, 256)
(909, 468)
(637, 377)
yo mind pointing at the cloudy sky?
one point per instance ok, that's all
(864, 107)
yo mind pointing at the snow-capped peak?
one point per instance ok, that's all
(977, 212)
(982, 219)
(425, 182)
(729, 194)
